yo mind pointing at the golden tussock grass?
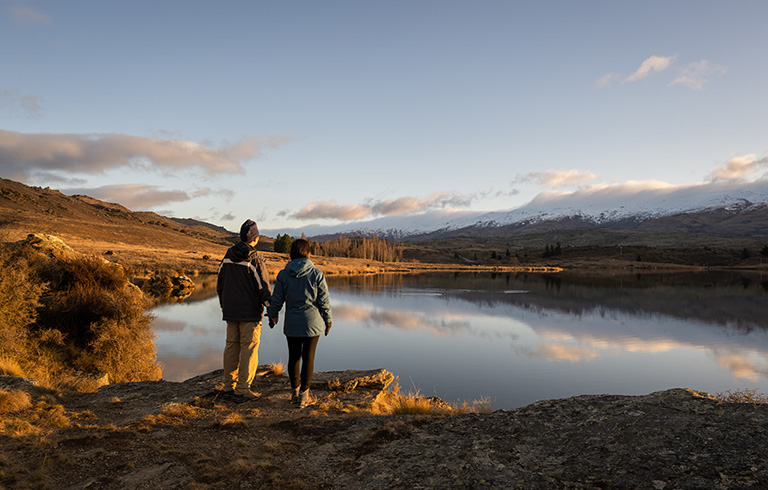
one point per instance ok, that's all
(14, 401)
(393, 402)
(231, 420)
(20, 417)
(276, 369)
(742, 396)
(173, 413)
(9, 367)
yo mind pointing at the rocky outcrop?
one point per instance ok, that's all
(186, 435)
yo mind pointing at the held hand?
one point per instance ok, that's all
(273, 322)
(327, 328)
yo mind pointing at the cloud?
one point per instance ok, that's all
(401, 205)
(22, 155)
(558, 178)
(21, 105)
(698, 74)
(28, 15)
(329, 209)
(410, 205)
(738, 167)
(564, 352)
(606, 80)
(401, 320)
(652, 64)
(226, 194)
(132, 196)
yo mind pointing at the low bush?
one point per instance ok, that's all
(742, 396)
(64, 313)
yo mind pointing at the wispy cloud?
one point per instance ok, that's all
(14, 103)
(739, 167)
(22, 155)
(607, 80)
(698, 74)
(650, 65)
(401, 205)
(695, 75)
(132, 196)
(329, 209)
(557, 178)
(28, 15)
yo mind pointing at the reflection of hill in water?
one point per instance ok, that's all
(722, 298)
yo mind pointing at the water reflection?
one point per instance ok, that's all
(519, 337)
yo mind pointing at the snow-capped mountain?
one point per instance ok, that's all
(624, 205)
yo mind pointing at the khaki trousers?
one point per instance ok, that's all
(241, 355)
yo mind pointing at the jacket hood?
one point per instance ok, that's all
(240, 251)
(299, 267)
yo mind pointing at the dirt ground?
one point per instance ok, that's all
(163, 435)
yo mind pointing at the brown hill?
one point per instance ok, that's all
(24, 208)
(103, 228)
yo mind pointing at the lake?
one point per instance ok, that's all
(515, 338)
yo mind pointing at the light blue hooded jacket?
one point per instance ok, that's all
(301, 286)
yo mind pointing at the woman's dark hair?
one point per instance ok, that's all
(300, 248)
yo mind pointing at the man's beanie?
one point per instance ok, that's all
(249, 231)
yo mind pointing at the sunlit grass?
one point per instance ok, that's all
(21, 416)
(393, 401)
(742, 396)
(276, 369)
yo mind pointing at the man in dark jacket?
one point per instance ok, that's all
(243, 288)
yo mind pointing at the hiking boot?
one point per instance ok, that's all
(295, 396)
(245, 397)
(305, 399)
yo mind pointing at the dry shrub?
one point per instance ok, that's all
(20, 294)
(71, 313)
(742, 396)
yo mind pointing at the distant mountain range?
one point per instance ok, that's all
(720, 208)
(713, 214)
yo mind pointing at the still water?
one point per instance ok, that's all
(515, 338)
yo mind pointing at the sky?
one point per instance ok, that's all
(294, 113)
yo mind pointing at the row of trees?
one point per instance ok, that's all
(373, 248)
(551, 251)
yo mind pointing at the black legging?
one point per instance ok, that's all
(301, 349)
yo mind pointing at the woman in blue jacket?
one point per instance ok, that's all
(301, 286)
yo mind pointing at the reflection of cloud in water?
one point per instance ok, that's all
(587, 348)
(168, 325)
(401, 320)
(741, 366)
(200, 331)
(562, 352)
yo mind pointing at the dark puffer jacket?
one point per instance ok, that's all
(243, 284)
